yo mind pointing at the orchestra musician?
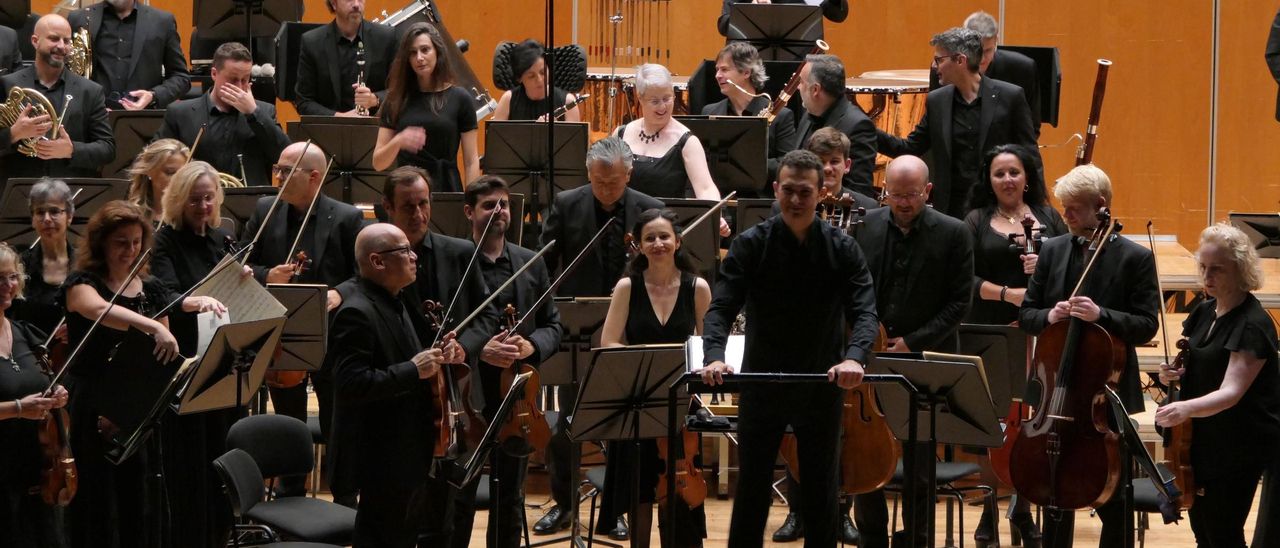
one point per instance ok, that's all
(922, 264)
(835, 10)
(47, 263)
(151, 170)
(116, 505)
(84, 141)
(801, 282)
(969, 114)
(528, 100)
(240, 134)
(27, 521)
(1002, 64)
(384, 412)
(741, 77)
(10, 55)
(427, 117)
(327, 248)
(660, 299)
(822, 94)
(535, 341)
(1228, 382)
(576, 215)
(137, 55)
(327, 63)
(1120, 295)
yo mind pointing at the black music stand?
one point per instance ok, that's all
(133, 129)
(448, 218)
(350, 141)
(15, 215)
(751, 212)
(288, 43)
(238, 355)
(13, 14)
(1003, 349)
(460, 474)
(521, 153)
(132, 369)
(737, 150)
(1263, 230)
(582, 319)
(781, 32)
(951, 405)
(702, 246)
(1048, 79)
(243, 19)
(624, 398)
(306, 329)
(238, 204)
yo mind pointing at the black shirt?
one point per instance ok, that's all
(154, 297)
(996, 262)
(348, 70)
(496, 273)
(54, 93)
(180, 260)
(1243, 437)
(965, 156)
(39, 305)
(892, 298)
(113, 54)
(524, 108)
(613, 252)
(20, 376)
(444, 126)
(221, 146)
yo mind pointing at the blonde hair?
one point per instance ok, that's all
(175, 197)
(1082, 182)
(1235, 247)
(154, 155)
(7, 253)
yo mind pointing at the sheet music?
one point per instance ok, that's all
(733, 351)
(243, 296)
(207, 323)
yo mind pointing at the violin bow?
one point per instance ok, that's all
(689, 227)
(266, 219)
(1102, 242)
(191, 152)
(72, 203)
(494, 294)
(475, 253)
(235, 259)
(1164, 332)
(568, 270)
(71, 358)
(310, 208)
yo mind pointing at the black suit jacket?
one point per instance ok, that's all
(157, 63)
(572, 224)
(1272, 55)
(10, 55)
(382, 419)
(335, 224)
(1122, 283)
(319, 87)
(782, 132)
(835, 10)
(1004, 118)
(543, 329)
(258, 137)
(85, 122)
(939, 279)
(1014, 68)
(850, 120)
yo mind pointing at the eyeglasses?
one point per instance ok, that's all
(279, 169)
(50, 211)
(402, 250)
(938, 60)
(12, 278)
(900, 197)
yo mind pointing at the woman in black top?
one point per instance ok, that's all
(25, 520)
(152, 170)
(426, 118)
(1229, 388)
(47, 262)
(528, 100)
(660, 300)
(996, 210)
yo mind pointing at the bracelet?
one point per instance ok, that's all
(18, 403)
(1003, 290)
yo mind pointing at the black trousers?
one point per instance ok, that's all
(793, 488)
(388, 516)
(27, 522)
(871, 511)
(813, 412)
(1059, 525)
(506, 518)
(559, 449)
(1217, 517)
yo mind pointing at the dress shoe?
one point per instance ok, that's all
(1026, 528)
(619, 531)
(792, 529)
(556, 519)
(848, 533)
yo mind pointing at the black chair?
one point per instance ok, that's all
(948, 473)
(309, 520)
(280, 445)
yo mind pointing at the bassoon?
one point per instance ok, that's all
(1084, 155)
(784, 96)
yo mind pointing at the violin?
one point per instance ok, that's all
(59, 478)
(459, 428)
(1066, 455)
(1177, 439)
(691, 487)
(527, 420)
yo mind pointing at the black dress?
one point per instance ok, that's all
(39, 305)
(115, 506)
(643, 328)
(444, 128)
(25, 520)
(524, 108)
(662, 177)
(995, 262)
(198, 511)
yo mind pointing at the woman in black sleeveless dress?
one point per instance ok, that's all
(659, 278)
(528, 100)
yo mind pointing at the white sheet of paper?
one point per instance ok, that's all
(207, 323)
(733, 350)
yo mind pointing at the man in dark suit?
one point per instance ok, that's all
(835, 10)
(826, 105)
(576, 215)
(740, 74)
(963, 119)
(383, 410)
(1002, 64)
(1120, 295)
(84, 142)
(922, 264)
(241, 136)
(10, 55)
(327, 63)
(1272, 55)
(328, 239)
(137, 55)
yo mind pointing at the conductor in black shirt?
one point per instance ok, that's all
(791, 274)
(835, 10)
(826, 105)
(137, 55)
(327, 63)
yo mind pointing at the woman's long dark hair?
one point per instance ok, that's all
(114, 215)
(402, 81)
(981, 196)
(639, 263)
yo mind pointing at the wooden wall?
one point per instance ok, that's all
(1157, 122)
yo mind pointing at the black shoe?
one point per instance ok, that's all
(848, 533)
(984, 536)
(556, 519)
(792, 529)
(1026, 528)
(619, 531)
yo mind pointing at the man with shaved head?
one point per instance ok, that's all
(383, 416)
(83, 141)
(328, 244)
(922, 264)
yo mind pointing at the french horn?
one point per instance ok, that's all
(228, 180)
(11, 109)
(80, 56)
